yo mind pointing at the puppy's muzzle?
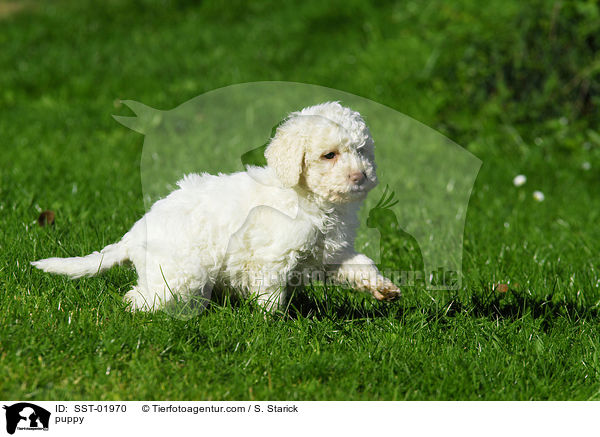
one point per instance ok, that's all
(357, 178)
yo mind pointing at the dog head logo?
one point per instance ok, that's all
(425, 179)
(26, 416)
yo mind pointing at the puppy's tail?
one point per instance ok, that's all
(89, 265)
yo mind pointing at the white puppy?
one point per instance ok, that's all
(249, 231)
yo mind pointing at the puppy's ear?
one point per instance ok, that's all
(285, 154)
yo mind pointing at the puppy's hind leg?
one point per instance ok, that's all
(273, 298)
(151, 293)
(137, 299)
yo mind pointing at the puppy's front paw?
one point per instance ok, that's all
(387, 291)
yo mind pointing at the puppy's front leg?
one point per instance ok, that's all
(360, 272)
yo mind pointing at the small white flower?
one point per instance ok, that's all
(586, 166)
(519, 180)
(539, 196)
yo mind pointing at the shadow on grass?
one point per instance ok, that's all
(515, 303)
(340, 305)
(485, 303)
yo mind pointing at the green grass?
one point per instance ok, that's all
(516, 85)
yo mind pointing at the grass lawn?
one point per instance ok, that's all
(516, 85)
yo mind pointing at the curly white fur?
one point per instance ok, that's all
(249, 231)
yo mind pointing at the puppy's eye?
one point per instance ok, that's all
(330, 155)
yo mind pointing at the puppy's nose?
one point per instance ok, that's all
(357, 177)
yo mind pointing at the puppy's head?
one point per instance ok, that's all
(326, 149)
